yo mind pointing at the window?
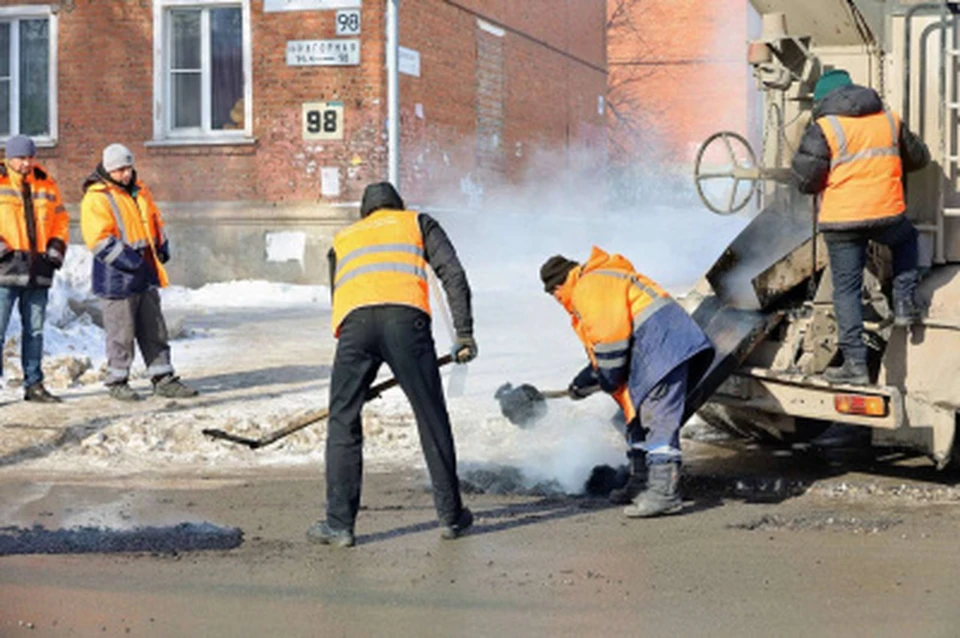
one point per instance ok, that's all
(27, 71)
(202, 70)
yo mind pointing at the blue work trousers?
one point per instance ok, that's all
(848, 256)
(33, 310)
(661, 417)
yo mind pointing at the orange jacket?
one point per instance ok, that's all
(119, 228)
(607, 301)
(380, 260)
(864, 183)
(20, 263)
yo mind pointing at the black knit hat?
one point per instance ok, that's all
(380, 195)
(554, 271)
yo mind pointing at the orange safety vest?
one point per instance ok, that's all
(864, 183)
(607, 301)
(108, 211)
(380, 260)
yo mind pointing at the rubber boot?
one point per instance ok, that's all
(662, 495)
(906, 312)
(851, 372)
(636, 483)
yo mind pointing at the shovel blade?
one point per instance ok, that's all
(522, 405)
(457, 383)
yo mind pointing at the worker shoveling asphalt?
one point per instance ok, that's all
(524, 405)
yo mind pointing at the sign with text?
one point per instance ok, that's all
(348, 22)
(408, 61)
(308, 5)
(323, 52)
(323, 120)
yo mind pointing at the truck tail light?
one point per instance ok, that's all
(864, 404)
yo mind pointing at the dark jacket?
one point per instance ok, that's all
(438, 251)
(811, 164)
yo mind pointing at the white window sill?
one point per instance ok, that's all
(201, 141)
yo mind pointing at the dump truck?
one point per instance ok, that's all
(767, 301)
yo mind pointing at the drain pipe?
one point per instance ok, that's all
(393, 93)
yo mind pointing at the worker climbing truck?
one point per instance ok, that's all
(767, 301)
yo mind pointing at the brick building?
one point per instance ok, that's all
(678, 73)
(258, 122)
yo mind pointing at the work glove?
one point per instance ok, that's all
(55, 250)
(465, 349)
(163, 252)
(584, 384)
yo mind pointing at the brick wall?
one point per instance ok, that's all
(551, 61)
(495, 100)
(678, 73)
(534, 95)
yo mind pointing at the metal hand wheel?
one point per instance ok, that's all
(741, 167)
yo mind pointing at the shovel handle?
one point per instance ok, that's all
(306, 419)
(555, 394)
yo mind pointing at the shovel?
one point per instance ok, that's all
(525, 404)
(304, 420)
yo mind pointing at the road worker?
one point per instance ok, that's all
(647, 352)
(124, 230)
(853, 155)
(381, 313)
(34, 231)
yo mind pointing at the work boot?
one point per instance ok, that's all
(38, 394)
(456, 529)
(662, 495)
(852, 373)
(637, 481)
(171, 387)
(323, 534)
(123, 392)
(906, 312)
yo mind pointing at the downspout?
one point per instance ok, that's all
(393, 93)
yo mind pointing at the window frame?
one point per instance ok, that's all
(14, 14)
(163, 131)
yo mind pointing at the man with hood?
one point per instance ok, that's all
(123, 229)
(854, 154)
(34, 230)
(647, 352)
(381, 313)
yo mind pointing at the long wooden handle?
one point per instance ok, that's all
(555, 394)
(306, 419)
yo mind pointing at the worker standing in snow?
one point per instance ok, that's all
(123, 229)
(854, 153)
(381, 313)
(646, 351)
(34, 230)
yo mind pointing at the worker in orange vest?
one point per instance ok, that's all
(854, 154)
(381, 313)
(123, 228)
(647, 352)
(34, 231)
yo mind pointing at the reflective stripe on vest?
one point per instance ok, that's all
(864, 184)
(380, 260)
(140, 245)
(844, 156)
(615, 354)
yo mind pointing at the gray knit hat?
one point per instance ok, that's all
(20, 146)
(116, 156)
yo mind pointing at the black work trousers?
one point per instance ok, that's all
(400, 336)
